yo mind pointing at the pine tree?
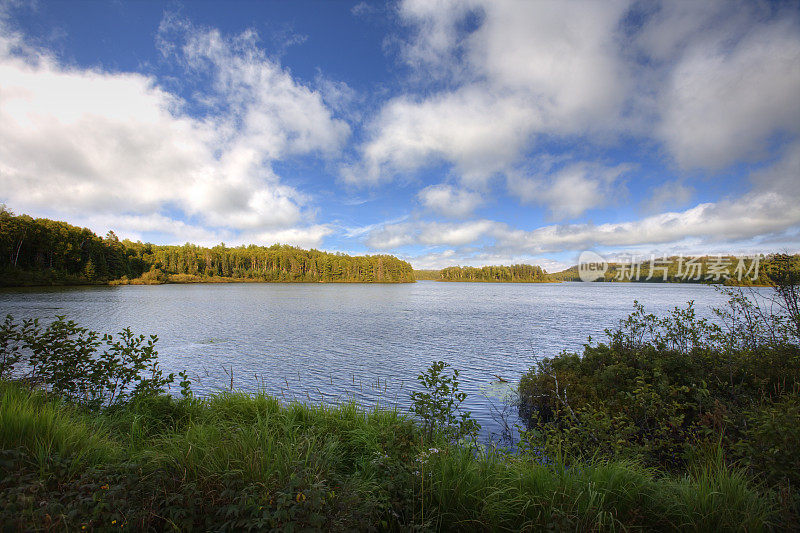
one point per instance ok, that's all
(89, 270)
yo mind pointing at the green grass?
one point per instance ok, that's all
(236, 461)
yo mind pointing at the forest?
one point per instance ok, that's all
(513, 273)
(39, 251)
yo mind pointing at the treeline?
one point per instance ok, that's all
(427, 275)
(728, 270)
(274, 263)
(39, 249)
(513, 273)
(42, 251)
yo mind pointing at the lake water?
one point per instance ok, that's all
(327, 342)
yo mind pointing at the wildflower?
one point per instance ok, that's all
(434, 450)
(113, 522)
(105, 487)
(301, 497)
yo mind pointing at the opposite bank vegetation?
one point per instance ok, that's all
(39, 251)
(673, 423)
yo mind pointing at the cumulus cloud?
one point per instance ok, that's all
(435, 33)
(429, 233)
(449, 201)
(166, 229)
(724, 103)
(572, 190)
(472, 128)
(713, 82)
(140, 227)
(531, 67)
(74, 139)
(304, 237)
(724, 222)
(766, 215)
(668, 195)
(390, 236)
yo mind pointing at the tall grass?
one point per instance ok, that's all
(44, 427)
(233, 461)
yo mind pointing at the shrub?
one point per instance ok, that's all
(438, 407)
(81, 365)
(661, 387)
(770, 438)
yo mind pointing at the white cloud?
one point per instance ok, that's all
(137, 227)
(571, 191)
(668, 195)
(530, 68)
(359, 231)
(767, 215)
(435, 260)
(724, 103)
(458, 234)
(435, 33)
(752, 216)
(429, 233)
(304, 237)
(339, 96)
(362, 9)
(390, 236)
(74, 139)
(449, 201)
(145, 227)
(265, 106)
(714, 82)
(477, 131)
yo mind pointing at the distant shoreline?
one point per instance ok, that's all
(217, 281)
(137, 282)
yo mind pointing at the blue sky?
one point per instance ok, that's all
(471, 132)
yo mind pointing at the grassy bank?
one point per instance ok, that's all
(233, 461)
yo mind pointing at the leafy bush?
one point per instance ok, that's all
(10, 347)
(662, 387)
(81, 365)
(770, 438)
(438, 408)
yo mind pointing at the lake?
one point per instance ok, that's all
(328, 342)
